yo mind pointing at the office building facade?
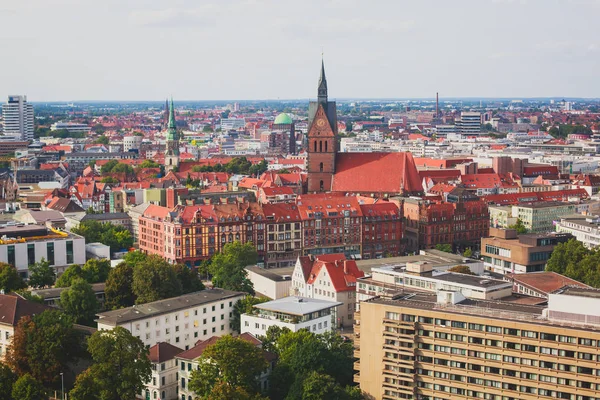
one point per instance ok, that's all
(18, 118)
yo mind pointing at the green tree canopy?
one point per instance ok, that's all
(244, 306)
(116, 236)
(96, 271)
(28, 388)
(189, 279)
(228, 268)
(519, 227)
(41, 274)
(10, 279)
(445, 247)
(79, 301)
(303, 352)
(102, 140)
(71, 273)
(7, 380)
(44, 345)
(120, 366)
(118, 290)
(468, 252)
(110, 180)
(155, 279)
(575, 261)
(317, 386)
(461, 269)
(233, 362)
(149, 164)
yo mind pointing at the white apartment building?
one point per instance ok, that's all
(269, 284)
(180, 321)
(18, 118)
(71, 127)
(23, 245)
(232, 124)
(585, 228)
(294, 313)
(163, 383)
(391, 280)
(328, 277)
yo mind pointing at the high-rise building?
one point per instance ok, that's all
(421, 345)
(469, 123)
(18, 118)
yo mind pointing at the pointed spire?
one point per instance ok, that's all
(172, 124)
(322, 90)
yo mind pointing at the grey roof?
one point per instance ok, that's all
(139, 209)
(54, 293)
(471, 280)
(104, 216)
(160, 307)
(48, 215)
(268, 274)
(36, 172)
(294, 305)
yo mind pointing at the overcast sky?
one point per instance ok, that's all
(270, 49)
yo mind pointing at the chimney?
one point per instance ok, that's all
(346, 267)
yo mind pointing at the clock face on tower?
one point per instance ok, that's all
(320, 123)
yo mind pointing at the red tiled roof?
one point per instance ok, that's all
(281, 212)
(275, 190)
(13, 308)
(488, 181)
(376, 173)
(449, 174)
(162, 352)
(540, 170)
(154, 211)
(341, 271)
(554, 195)
(545, 282)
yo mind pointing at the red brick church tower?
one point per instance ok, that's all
(322, 139)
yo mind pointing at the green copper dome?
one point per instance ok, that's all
(283, 119)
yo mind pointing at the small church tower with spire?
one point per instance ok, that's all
(172, 150)
(322, 139)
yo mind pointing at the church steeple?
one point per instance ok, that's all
(322, 91)
(172, 136)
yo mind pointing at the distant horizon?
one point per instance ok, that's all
(346, 99)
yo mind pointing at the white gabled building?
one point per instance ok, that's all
(328, 277)
(294, 313)
(180, 321)
(163, 383)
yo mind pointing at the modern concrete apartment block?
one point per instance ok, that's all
(442, 346)
(294, 313)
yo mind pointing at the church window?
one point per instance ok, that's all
(326, 147)
(322, 185)
(320, 146)
(321, 167)
(315, 146)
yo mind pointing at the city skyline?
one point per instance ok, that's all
(247, 50)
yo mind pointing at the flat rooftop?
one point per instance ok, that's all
(294, 305)
(267, 273)
(434, 257)
(155, 308)
(581, 292)
(491, 309)
(471, 280)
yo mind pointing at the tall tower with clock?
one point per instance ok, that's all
(322, 139)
